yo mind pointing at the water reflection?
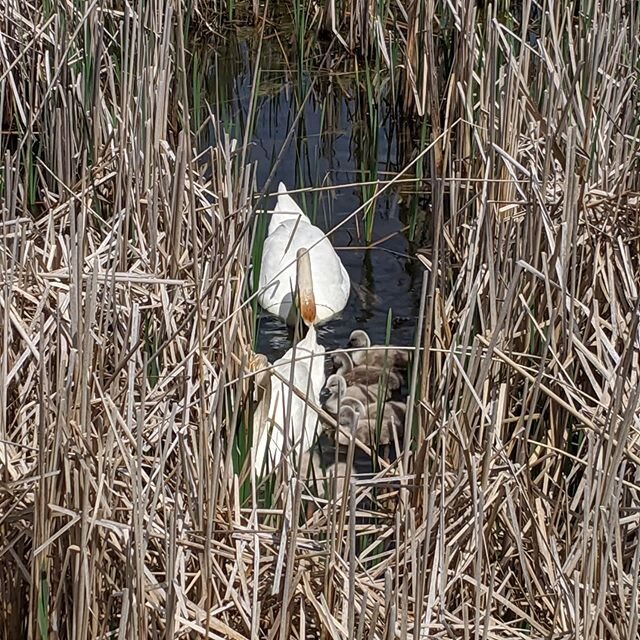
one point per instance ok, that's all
(333, 145)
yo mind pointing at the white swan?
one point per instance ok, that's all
(304, 363)
(289, 231)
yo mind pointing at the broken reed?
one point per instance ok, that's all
(123, 265)
(530, 333)
(124, 361)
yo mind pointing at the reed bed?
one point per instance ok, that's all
(123, 261)
(126, 506)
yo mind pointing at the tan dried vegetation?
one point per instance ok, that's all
(125, 360)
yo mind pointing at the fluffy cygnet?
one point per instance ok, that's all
(349, 419)
(336, 391)
(366, 374)
(375, 356)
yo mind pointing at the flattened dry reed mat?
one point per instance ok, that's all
(128, 508)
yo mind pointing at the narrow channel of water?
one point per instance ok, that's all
(326, 150)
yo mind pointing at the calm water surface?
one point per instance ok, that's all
(326, 151)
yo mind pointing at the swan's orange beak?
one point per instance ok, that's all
(306, 299)
(308, 309)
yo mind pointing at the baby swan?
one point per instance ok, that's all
(392, 411)
(375, 356)
(337, 391)
(364, 429)
(367, 374)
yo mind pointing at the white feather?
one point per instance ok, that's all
(308, 378)
(289, 231)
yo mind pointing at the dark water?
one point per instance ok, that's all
(327, 149)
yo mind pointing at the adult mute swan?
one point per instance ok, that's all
(289, 231)
(303, 365)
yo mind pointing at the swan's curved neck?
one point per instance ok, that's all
(306, 298)
(286, 211)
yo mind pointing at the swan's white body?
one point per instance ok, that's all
(291, 230)
(308, 377)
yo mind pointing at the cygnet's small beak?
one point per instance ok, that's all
(324, 395)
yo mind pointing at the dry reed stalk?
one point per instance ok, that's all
(533, 418)
(121, 268)
(125, 360)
